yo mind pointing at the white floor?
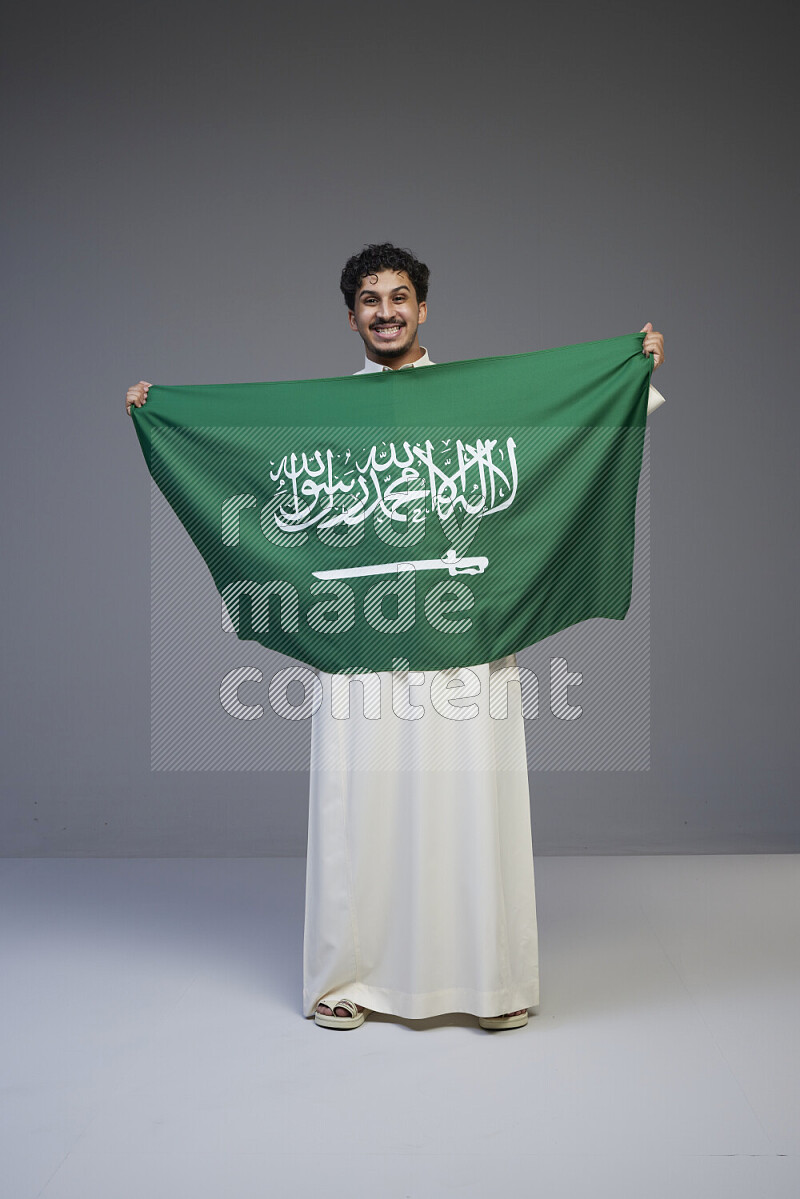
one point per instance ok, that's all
(153, 1044)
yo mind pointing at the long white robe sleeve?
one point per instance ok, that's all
(420, 894)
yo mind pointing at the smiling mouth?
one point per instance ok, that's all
(388, 332)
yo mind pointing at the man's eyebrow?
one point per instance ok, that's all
(368, 291)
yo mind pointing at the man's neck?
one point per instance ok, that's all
(370, 366)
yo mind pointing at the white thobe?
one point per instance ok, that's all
(420, 892)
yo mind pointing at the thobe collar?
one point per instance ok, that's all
(370, 367)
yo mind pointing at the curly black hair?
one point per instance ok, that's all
(383, 257)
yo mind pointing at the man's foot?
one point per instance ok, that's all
(344, 1014)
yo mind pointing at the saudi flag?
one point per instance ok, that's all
(412, 519)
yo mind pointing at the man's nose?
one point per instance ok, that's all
(386, 310)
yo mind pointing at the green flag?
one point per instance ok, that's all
(412, 519)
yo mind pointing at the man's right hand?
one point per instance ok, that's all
(136, 396)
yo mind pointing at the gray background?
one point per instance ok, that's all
(185, 183)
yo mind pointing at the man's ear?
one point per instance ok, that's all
(423, 313)
(351, 316)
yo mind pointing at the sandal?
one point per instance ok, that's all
(496, 1022)
(355, 1020)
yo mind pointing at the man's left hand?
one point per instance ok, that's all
(653, 344)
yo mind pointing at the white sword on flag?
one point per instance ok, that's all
(449, 562)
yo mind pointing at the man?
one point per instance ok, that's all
(420, 892)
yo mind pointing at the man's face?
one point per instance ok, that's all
(387, 314)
